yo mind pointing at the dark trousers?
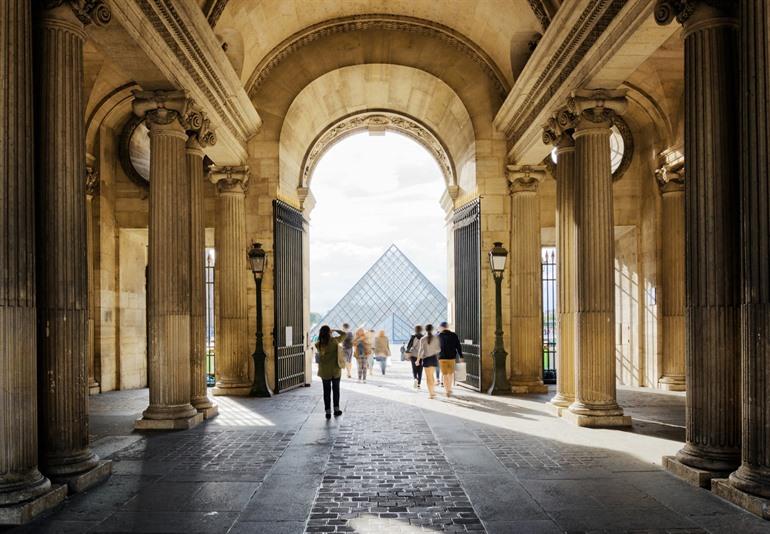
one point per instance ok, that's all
(331, 384)
(416, 370)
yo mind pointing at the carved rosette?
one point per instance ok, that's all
(87, 11)
(92, 181)
(230, 179)
(525, 178)
(681, 10)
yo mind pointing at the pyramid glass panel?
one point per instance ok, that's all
(393, 295)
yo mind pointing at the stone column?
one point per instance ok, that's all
(712, 241)
(168, 298)
(92, 189)
(753, 476)
(62, 279)
(526, 283)
(199, 136)
(233, 352)
(672, 278)
(595, 396)
(21, 483)
(559, 133)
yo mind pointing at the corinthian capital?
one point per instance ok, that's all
(681, 10)
(92, 181)
(525, 178)
(230, 179)
(597, 105)
(87, 11)
(161, 107)
(558, 130)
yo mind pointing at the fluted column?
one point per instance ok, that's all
(753, 476)
(558, 132)
(199, 136)
(526, 284)
(168, 299)
(712, 238)
(595, 394)
(20, 479)
(232, 352)
(62, 282)
(672, 278)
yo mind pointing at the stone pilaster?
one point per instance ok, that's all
(233, 352)
(526, 284)
(595, 395)
(672, 278)
(199, 136)
(558, 132)
(752, 478)
(168, 297)
(712, 239)
(62, 280)
(92, 189)
(21, 483)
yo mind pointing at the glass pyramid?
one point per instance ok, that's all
(393, 296)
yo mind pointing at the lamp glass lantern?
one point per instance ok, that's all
(497, 259)
(257, 260)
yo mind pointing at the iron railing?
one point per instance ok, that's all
(210, 323)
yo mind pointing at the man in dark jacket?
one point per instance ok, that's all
(451, 351)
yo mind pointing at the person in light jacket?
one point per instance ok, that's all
(362, 351)
(382, 350)
(427, 356)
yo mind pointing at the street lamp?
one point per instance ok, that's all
(258, 263)
(500, 386)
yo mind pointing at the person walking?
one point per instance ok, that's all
(370, 335)
(382, 350)
(427, 357)
(451, 351)
(361, 350)
(329, 367)
(411, 350)
(347, 347)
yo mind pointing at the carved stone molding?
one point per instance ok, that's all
(87, 11)
(540, 12)
(92, 181)
(230, 179)
(597, 106)
(681, 10)
(670, 181)
(525, 178)
(198, 126)
(213, 10)
(376, 21)
(378, 120)
(161, 107)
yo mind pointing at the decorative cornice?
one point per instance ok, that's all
(87, 11)
(230, 179)
(214, 10)
(540, 13)
(377, 120)
(380, 22)
(92, 181)
(525, 178)
(681, 10)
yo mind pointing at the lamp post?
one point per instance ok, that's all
(500, 385)
(258, 263)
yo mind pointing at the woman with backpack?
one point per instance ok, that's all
(427, 357)
(329, 369)
(362, 350)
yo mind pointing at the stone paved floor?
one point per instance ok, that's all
(395, 462)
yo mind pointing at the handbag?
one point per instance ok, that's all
(461, 371)
(341, 361)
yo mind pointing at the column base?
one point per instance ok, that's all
(205, 406)
(751, 503)
(88, 479)
(239, 391)
(531, 387)
(559, 403)
(210, 412)
(692, 475)
(672, 383)
(24, 512)
(95, 389)
(184, 423)
(596, 421)
(555, 409)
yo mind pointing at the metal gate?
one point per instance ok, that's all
(548, 276)
(289, 333)
(467, 256)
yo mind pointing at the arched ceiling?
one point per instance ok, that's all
(346, 91)
(501, 28)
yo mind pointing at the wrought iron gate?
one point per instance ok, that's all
(549, 314)
(289, 333)
(467, 256)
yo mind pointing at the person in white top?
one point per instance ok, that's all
(427, 356)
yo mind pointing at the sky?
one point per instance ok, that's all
(372, 191)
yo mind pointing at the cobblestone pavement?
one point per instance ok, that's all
(394, 462)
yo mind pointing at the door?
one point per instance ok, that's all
(289, 333)
(467, 259)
